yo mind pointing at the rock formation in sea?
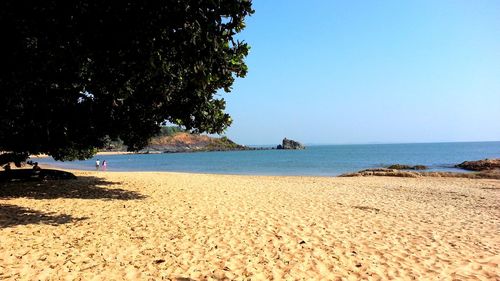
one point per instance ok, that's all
(407, 167)
(480, 165)
(483, 169)
(290, 144)
(384, 172)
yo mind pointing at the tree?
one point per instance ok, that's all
(75, 73)
(166, 131)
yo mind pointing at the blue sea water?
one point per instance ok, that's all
(320, 160)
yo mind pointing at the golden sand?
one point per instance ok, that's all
(149, 226)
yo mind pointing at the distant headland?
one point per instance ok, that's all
(174, 139)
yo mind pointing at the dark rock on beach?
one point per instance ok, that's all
(384, 172)
(483, 169)
(480, 165)
(407, 167)
(290, 144)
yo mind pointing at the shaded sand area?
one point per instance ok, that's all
(149, 226)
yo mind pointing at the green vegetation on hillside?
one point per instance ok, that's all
(224, 143)
(177, 139)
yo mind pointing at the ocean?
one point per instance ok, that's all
(316, 160)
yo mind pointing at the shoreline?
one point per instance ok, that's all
(377, 172)
(466, 175)
(316, 161)
(47, 166)
(76, 170)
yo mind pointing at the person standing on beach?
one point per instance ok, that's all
(97, 164)
(104, 165)
(36, 167)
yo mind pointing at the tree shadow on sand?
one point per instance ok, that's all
(84, 187)
(12, 215)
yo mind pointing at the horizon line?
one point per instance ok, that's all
(379, 143)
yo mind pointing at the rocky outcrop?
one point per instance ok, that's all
(407, 167)
(383, 172)
(186, 142)
(290, 144)
(480, 165)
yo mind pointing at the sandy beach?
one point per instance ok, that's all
(173, 226)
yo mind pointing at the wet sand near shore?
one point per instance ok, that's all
(149, 226)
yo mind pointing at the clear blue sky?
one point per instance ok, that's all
(327, 72)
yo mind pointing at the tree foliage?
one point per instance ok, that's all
(167, 131)
(74, 72)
